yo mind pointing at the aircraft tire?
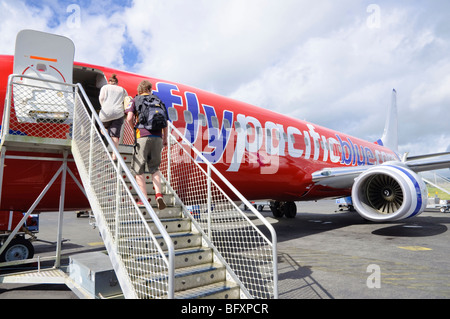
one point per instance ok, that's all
(275, 207)
(290, 210)
(18, 249)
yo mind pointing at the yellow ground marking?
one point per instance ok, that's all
(415, 248)
(100, 243)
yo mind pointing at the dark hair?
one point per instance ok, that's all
(144, 86)
(114, 79)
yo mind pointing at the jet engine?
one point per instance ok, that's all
(389, 192)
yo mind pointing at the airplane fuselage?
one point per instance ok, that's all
(265, 155)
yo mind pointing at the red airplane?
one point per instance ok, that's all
(266, 155)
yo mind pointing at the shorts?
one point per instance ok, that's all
(114, 127)
(147, 155)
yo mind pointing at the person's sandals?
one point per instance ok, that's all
(140, 204)
(160, 202)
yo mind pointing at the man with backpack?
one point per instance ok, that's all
(148, 115)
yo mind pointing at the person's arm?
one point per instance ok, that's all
(130, 119)
(130, 114)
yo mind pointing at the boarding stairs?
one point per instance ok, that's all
(202, 245)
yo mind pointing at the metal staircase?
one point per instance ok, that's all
(202, 245)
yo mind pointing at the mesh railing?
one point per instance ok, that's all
(144, 270)
(244, 247)
(39, 109)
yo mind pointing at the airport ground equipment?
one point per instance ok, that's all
(202, 245)
(440, 182)
(21, 246)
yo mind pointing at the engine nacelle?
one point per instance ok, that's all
(389, 192)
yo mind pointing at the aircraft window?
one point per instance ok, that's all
(226, 124)
(188, 117)
(202, 119)
(173, 114)
(306, 141)
(285, 137)
(215, 122)
(292, 137)
(237, 125)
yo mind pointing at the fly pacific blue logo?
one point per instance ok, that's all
(239, 139)
(358, 155)
(217, 136)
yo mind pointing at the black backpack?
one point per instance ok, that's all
(151, 112)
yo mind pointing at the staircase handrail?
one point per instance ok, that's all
(248, 205)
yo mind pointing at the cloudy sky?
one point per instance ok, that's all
(333, 63)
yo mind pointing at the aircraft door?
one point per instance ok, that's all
(45, 57)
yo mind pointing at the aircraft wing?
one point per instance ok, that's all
(344, 177)
(428, 162)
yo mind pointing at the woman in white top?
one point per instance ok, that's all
(112, 112)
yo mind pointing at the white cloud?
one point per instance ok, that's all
(15, 16)
(342, 79)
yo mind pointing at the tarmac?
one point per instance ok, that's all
(322, 254)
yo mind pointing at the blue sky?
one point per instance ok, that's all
(333, 63)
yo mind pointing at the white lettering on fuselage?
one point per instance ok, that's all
(244, 139)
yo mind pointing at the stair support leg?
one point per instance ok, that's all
(61, 211)
(2, 167)
(37, 201)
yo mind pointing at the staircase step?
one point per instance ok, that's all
(168, 212)
(169, 199)
(137, 246)
(150, 190)
(191, 257)
(197, 276)
(184, 240)
(172, 225)
(205, 280)
(219, 290)
(148, 179)
(188, 277)
(183, 258)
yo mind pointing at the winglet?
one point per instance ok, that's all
(390, 135)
